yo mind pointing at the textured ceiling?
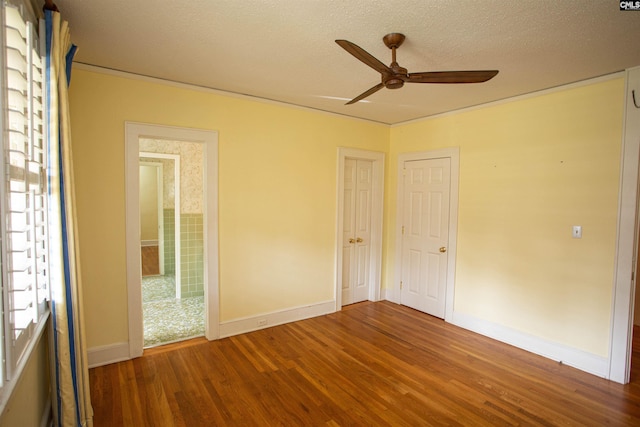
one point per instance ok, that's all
(284, 50)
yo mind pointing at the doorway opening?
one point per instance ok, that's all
(181, 300)
(151, 226)
(152, 242)
(167, 316)
(160, 211)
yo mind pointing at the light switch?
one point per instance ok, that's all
(577, 232)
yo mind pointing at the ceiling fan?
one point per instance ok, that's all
(394, 76)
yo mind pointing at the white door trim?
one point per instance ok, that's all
(453, 154)
(209, 139)
(375, 266)
(627, 238)
(176, 202)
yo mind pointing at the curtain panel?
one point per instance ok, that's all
(69, 372)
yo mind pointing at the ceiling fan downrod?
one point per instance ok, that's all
(391, 81)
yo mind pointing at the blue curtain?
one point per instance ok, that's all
(69, 372)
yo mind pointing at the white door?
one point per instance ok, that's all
(425, 234)
(356, 249)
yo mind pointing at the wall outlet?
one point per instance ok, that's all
(577, 232)
(262, 322)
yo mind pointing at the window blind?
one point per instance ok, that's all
(24, 204)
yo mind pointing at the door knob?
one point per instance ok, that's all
(352, 241)
(443, 249)
(359, 240)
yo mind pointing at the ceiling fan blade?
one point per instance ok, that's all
(477, 76)
(365, 94)
(364, 56)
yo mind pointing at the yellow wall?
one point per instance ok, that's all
(529, 170)
(148, 202)
(30, 398)
(277, 193)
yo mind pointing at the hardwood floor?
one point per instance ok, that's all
(370, 364)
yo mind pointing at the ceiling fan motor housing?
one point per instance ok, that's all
(392, 82)
(397, 79)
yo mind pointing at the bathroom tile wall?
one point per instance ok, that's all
(192, 255)
(169, 242)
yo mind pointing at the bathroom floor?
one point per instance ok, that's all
(167, 319)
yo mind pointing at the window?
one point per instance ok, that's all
(23, 195)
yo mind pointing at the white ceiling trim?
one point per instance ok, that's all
(203, 89)
(535, 94)
(132, 76)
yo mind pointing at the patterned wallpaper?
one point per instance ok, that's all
(191, 172)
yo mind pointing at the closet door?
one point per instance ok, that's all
(356, 248)
(425, 234)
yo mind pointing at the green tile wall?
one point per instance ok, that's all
(191, 255)
(169, 242)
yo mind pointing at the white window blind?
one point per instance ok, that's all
(24, 193)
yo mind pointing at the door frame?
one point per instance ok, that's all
(209, 139)
(622, 306)
(453, 153)
(377, 206)
(176, 198)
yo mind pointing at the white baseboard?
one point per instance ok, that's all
(579, 359)
(148, 243)
(388, 295)
(119, 352)
(104, 355)
(266, 320)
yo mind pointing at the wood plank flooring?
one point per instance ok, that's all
(372, 364)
